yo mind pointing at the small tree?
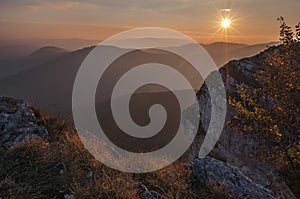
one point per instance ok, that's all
(298, 32)
(270, 112)
(286, 33)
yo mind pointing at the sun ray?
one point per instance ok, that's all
(228, 15)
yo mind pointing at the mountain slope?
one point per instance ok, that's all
(38, 57)
(46, 77)
(48, 51)
(223, 52)
(47, 85)
(234, 146)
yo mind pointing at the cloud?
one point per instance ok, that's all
(39, 4)
(139, 3)
(53, 5)
(225, 10)
(113, 4)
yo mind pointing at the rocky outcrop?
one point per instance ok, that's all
(214, 172)
(233, 147)
(18, 123)
(146, 193)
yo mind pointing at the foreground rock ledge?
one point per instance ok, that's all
(18, 123)
(212, 171)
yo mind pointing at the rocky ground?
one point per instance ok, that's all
(42, 157)
(228, 167)
(18, 123)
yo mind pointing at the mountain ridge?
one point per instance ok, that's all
(48, 50)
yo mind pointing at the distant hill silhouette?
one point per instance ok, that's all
(69, 44)
(45, 78)
(48, 51)
(222, 52)
(15, 51)
(38, 57)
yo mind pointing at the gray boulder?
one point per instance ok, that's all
(212, 171)
(18, 123)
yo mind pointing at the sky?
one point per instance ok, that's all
(252, 21)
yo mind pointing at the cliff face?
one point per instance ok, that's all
(233, 147)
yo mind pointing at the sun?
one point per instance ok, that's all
(225, 23)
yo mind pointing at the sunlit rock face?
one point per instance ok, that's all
(18, 123)
(233, 147)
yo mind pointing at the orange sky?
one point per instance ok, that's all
(254, 21)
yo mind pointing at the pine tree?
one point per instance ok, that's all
(298, 32)
(286, 33)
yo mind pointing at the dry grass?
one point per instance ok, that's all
(41, 169)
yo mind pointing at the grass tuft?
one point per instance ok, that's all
(62, 165)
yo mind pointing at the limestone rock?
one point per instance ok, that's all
(233, 147)
(18, 123)
(212, 171)
(146, 193)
